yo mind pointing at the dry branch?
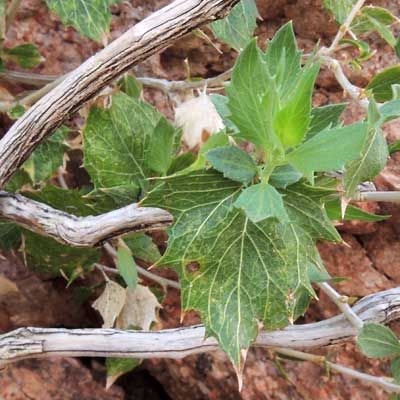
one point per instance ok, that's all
(80, 231)
(138, 43)
(25, 343)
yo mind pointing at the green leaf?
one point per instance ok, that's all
(108, 199)
(378, 341)
(217, 140)
(47, 157)
(363, 47)
(117, 367)
(245, 271)
(3, 9)
(181, 162)
(381, 83)
(376, 19)
(221, 105)
(333, 209)
(17, 111)
(394, 147)
(49, 257)
(238, 27)
(305, 208)
(233, 162)
(26, 55)
(90, 17)
(317, 275)
(284, 175)
(325, 117)
(252, 96)
(117, 142)
(131, 86)
(262, 201)
(339, 8)
(329, 150)
(291, 122)
(397, 47)
(283, 60)
(19, 180)
(395, 366)
(143, 247)
(10, 235)
(373, 157)
(161, 147)
(127, 267)
(70, 201)
(390, 110)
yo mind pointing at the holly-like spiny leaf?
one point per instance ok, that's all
(232, 270)
(118, 142)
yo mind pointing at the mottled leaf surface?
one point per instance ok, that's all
(232, 270)
(373, 156)
(119, 140)
(90, 17)
(238, 27)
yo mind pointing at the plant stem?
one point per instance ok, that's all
(33, 97)
(12, 12)
(354, 91)
(52, 81)
(344, 28)
(383, 382)
(344, 307)
(164, 282)
(393, 197)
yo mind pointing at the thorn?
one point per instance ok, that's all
(346, 244)
(344, 202)
(239, 368)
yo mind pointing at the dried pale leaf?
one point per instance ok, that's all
(199, 119)
(7, 286)
(139, 309)
(110, 303)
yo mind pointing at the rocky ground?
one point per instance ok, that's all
(371, 258)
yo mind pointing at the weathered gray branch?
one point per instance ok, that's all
(80, 231)
(138, 43)
(24, 343)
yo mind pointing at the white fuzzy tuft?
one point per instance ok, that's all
(199, 120)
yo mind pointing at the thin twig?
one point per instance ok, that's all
(164, 282)
(149, 36)
(52, 81)
(24, 343)
(381, 381)
(76, 231)
(393, 197)
(343, 306)
(343, 28)
(355, 92)
(12, 12)
(28, 78)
